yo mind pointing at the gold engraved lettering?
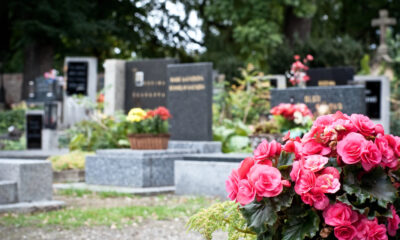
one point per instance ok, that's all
(326, 83)
(312, 98)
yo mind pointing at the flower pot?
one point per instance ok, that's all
(148, 141)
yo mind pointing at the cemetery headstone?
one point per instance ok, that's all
(146, 83)
(44, 90)
(347, 99)
(114, 86)
(82, 76)
(34, 126)
(330, 76)
(12, 84)
(190, 101)
(377, 99)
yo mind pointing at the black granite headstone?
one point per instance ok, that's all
(34, 125)
(347, 99)
(146, 83)
(190, 101)
(77, 78)
(43, 90)
(330, 76)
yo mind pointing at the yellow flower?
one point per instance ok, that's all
(136, 115)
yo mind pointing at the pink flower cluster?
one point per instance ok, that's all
(298, 70)
(287, 110)
(313, 180)
(256, 177)
(351, 139)
(350, 225)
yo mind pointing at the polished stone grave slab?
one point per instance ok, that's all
(205, 174)
(133, 168)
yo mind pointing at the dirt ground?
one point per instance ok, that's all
(148, 229)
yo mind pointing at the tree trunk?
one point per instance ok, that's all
(38, 59)
(295, 26)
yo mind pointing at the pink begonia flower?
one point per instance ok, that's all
(265, 151)
(370, 155)
(349, 148)
(246, 192)
(315, 163)
(379, 129)
(312, 147)
(388, 158)
(305, 182)
(327, 183)
(231, 185)
(245, 167)
(363, 124)
(331, 170)
(266, 180)
(345, 232)
(393, 222)
(339, 214)
(316, 199)
(296, 168)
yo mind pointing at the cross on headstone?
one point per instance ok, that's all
(383, 22)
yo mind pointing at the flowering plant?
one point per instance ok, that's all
(150, 121)
(297, 74)
(337, 182)
(294, 117)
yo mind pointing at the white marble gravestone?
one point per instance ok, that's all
(377, 98)
(84, 78)
(114, 86)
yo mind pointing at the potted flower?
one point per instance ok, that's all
(148, 129)
(298, 71)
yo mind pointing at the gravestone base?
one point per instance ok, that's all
(205, 174)
(26, 186)
(133, 168)
(197, 146)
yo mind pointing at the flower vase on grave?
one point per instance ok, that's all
(302, 84)
(148, 129)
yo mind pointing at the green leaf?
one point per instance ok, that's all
(262, 215)
(374, 186)
(297, 228)
(285, 159)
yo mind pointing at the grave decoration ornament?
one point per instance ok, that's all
(339, 181)
(294, 117)
(298, 71)
(148, 129)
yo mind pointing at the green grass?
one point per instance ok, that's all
(114, 216)
(84, 192)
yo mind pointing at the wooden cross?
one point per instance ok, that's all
(383, 21)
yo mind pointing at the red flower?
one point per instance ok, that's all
(163, 113)
(296, 57)
(100, 98)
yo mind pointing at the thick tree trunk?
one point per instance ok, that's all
(295, 26)
(38, 58)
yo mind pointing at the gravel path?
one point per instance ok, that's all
(148, 230)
